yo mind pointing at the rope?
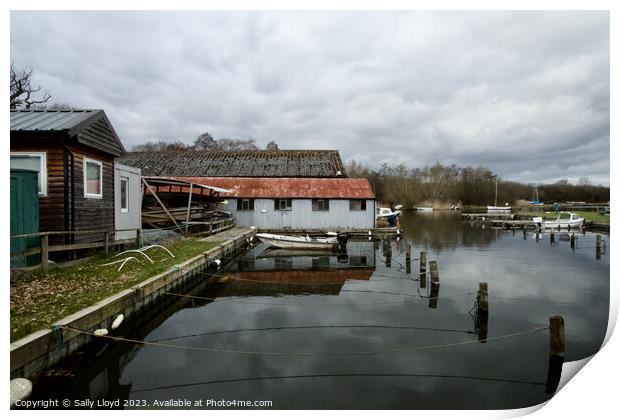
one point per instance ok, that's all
(304, 327)
(358, 353)
(343, 375)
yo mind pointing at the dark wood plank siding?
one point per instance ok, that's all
(93, 213)
(99, 136)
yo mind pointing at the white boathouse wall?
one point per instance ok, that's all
(301, 215)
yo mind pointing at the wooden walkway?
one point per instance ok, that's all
(233, 233)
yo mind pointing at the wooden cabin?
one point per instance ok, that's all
(73, 152)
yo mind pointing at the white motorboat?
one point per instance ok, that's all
(386, 212)
(297, 242)
(565, 220)
(424, 209)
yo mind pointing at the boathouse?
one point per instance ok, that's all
(297, 189)
(79, 185)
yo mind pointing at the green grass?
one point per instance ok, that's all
(590, 216)
(38, 300)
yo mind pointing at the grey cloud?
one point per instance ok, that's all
(525, 93)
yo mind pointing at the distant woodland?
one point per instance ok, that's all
(443, 186)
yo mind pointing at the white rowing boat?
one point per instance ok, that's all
(297, 242)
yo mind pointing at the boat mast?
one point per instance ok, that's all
(495, 190)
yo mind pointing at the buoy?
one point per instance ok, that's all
(21, 388)
(101, 331)
(370, 233)
(218, 262)
(117, 321)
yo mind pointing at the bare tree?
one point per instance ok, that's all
(272, 145)
(22, 90)
(205, 141)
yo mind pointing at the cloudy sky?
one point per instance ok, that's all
(524, 93)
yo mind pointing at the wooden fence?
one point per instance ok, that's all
(107, 240)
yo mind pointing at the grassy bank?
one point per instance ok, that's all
(37, 299)
(590, 216)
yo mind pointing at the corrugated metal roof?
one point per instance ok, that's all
(347, 188)
(241, 163)
(48, 120)
(90, 127)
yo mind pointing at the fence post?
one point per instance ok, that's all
(44, 253)
(106, 242)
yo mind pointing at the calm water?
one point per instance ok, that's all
(303, 306)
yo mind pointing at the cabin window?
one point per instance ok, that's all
(124, 194)
(357, 205)
(36, 161)
(320, 205)
(283, 204)
(93, 178)
(245, 204)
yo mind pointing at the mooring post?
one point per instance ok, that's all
(388, 254)
(572, 240)
(408, 259)
(598, 247)
(483, 297)
(557, 339)
(552, 236)
(434, 272)
(524, 233)
(422, 262)
(44, 254)
(557, 348)
(482, 312)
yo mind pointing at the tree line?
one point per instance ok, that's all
(204, 142)
(443, 186)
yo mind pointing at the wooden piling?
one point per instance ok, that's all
(422, 262)
(572, 240)
(434, 296)
(408, 259)
(388, 253)
(483, 297)
(524, 233)
(557, 348)
(557, 339)
(45, 257)
(552, 236)
(482, 312)
(434, 272)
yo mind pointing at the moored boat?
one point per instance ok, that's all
(386, 212)
(297, 242)
(565, 220)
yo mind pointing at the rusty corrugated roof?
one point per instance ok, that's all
(356, 188)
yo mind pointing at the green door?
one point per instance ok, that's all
(24, 214)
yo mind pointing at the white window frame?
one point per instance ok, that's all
(42, 170)
(126, 180)
(96, 162)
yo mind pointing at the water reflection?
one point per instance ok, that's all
(365, 304)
